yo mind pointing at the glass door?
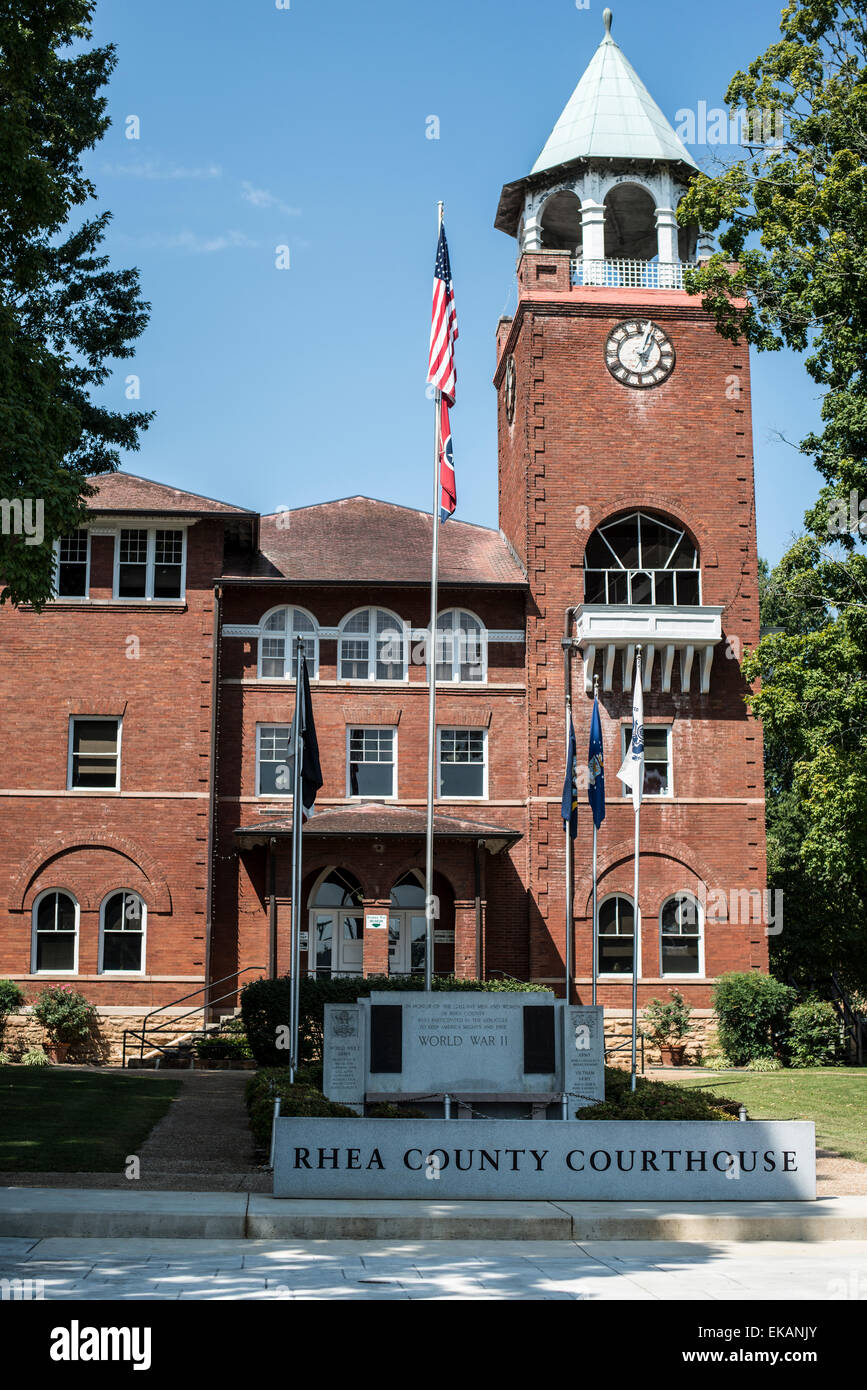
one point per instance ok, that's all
(406, 943)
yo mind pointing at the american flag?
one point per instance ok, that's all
(444, 325)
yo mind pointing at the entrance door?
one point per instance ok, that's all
(406, 943)
(336, 943)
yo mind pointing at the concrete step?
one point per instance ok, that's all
(42, 1212)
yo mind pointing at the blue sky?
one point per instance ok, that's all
(265, 127)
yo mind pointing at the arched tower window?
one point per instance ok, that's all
(641, 558)
(561, 223)
(630, 224)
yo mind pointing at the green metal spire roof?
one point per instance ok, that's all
(611, 115)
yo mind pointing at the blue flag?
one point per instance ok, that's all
(596, 768)
(569, 806)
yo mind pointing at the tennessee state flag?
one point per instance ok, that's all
(448, 490)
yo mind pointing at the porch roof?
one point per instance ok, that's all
(375, 820)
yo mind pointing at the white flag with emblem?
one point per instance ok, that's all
(632, 771)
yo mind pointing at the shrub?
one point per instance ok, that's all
(5, 1059)
(11, 999)
(716, 1061)
(752, 1010)
(669, 1023)
(765, 1064)
(224, 1048)
(655, 1100)
(67, 1016)
(815, 1036)
(302, 1098)
(34, 1057)
(265, 1006)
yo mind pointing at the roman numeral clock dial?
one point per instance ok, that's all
(639, 353)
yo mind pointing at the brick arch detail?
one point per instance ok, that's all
(654, 501)
(658, 846)
(61, 844)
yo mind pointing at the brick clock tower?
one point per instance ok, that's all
(626, 490)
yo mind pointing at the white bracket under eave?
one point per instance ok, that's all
(608, 673)
(706, 664)
(628, 660)
(667, 664)
(686, 656)
(647, 666)
(589, 663)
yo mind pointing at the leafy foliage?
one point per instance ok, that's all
(814, 1038)
(667, 1023)
(752, 1010)
(11, 998)
(791, 273)
(65, 1014)
(301, 1098)
(655, 1100)
(265, 1006)
(64, 313)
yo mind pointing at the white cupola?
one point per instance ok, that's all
(607, 183)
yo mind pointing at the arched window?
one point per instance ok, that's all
(561, 223)
(462, 647)
(616, 936)
(630, 224)
(372, 646)
(639, 558)
(336, 938)
(122, 934)
(55, 933)
(681, 936)
(277, 632)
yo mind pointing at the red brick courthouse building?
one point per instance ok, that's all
(146, 827)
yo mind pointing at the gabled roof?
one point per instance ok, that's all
(359, 540)
(127, 492)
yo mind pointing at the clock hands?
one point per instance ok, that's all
(646, 346)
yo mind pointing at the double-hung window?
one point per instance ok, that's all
(273, 772)
(71, 565)
(657, 759)
(150, 563)
(371, 762)
(462, 763)
(94, 754)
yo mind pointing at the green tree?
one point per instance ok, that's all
(65, 315)
(791, 273)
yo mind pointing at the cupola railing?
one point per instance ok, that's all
(629, 275)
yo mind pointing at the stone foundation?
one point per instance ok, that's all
(23, 1031)
(618, 1031)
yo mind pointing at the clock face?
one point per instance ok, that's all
(509, 393)
(639, 353)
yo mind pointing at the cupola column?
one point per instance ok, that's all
(666, 234)
(593, 230)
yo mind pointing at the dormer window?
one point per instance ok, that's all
(639, 558)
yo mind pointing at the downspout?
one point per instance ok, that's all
(477, 866)
(272, 908)
(212, 795)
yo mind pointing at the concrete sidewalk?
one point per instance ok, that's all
(38, 1213)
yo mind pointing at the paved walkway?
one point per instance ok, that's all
(69, 1270)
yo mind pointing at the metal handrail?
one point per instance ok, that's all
(207, 1003)
(621, 1046)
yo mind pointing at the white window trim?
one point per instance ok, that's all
(624, 744)
(269, 724)
(370, 637)
(289, 635)
(148, 595)
(614, 975)
(71, 598)
(94, 719)
(456, 665)
(33, 933)
(379, 728)
(691, 975)
(123, 974)
(461, 729)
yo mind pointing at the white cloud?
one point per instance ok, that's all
(261, 198)
(194, 244)
(152, 169)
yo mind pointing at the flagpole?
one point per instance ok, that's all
(432, 704)
(636, 915)
(297, 818)
(594, 968)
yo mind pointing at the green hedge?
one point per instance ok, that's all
(265, 1007)
(753, 1011)
(815, 1037)
(302, 1098)
(656, 1100)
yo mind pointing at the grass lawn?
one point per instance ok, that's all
(835, 1098)
(68, 1121)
